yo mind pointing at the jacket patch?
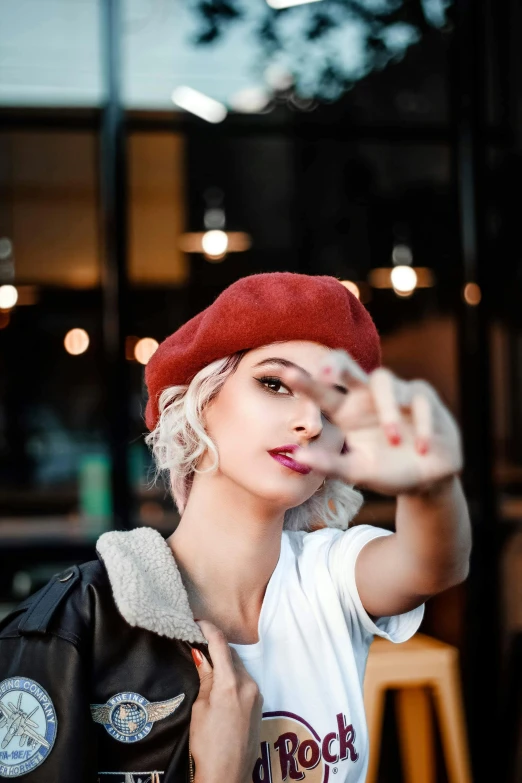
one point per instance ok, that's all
(129, 717)
(28, 726)
(131, 777)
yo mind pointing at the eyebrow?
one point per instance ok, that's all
(288, 363)
(281, 362)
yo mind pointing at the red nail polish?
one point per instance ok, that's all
(422, 445)
(197, 657)
(393, 434)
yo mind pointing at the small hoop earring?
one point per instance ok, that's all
(322, 485)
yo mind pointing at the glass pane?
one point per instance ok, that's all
(54, 461)
(50, 53)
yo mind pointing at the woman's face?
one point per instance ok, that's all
(255, 413)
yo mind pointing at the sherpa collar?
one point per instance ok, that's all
(146, 583)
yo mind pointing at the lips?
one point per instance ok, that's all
(281, 455)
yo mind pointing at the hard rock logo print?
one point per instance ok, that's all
(130, 777)
(292, 750)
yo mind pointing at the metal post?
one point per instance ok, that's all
(113, 181)
(481, 656)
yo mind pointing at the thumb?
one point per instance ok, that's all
(206, 673)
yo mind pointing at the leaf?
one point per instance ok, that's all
(320, 24)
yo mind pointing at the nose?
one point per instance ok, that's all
(307, 419)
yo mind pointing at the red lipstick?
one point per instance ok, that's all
(286, 460)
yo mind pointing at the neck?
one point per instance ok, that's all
(226, 546)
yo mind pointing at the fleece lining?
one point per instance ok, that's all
(146, 583)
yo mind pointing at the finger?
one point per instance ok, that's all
(339, 363)
(327, 397)
(325, 463)
(384, 389)
(422, 415)
(224, 672)
(205, 672)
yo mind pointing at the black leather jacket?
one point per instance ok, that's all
(97, 679)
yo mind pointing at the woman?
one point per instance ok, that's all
(264, 411)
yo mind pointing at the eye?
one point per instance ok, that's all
(270, 381)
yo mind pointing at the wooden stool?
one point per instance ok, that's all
(511, 685)
(412, 668)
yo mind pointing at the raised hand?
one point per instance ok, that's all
(400, 436)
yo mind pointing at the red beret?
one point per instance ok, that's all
(257, 310)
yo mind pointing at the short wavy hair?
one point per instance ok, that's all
(180, 439)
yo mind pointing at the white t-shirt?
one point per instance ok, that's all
(310, 659)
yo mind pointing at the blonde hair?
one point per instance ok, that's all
(179, 440)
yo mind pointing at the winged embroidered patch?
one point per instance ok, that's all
(129, 717)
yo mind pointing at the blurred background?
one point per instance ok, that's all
(154, 151)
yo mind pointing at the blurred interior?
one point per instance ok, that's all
(354, 145)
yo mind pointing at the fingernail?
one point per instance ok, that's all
(422, 445)
(197, 656)
(393, 434)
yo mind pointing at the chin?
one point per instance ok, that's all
(284, 488)
(285, 495)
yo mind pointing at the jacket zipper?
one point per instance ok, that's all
(190, 765)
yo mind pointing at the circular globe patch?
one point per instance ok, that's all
(28, 726)
(128, 718)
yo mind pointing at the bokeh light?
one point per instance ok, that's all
(8, 296)
(144, 349)
(402, 255)
(353, 287)
(76, 341)
(404, 279)
(199, 104)
(6, 248)
(215, 243)
(472, 294)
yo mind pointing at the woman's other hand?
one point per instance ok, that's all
(226, 717)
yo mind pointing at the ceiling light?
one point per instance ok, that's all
(382, 277)
(404, 279)
(192, 242)
(214, 243)
(8, 297)
(199, 104)
(278, 4)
